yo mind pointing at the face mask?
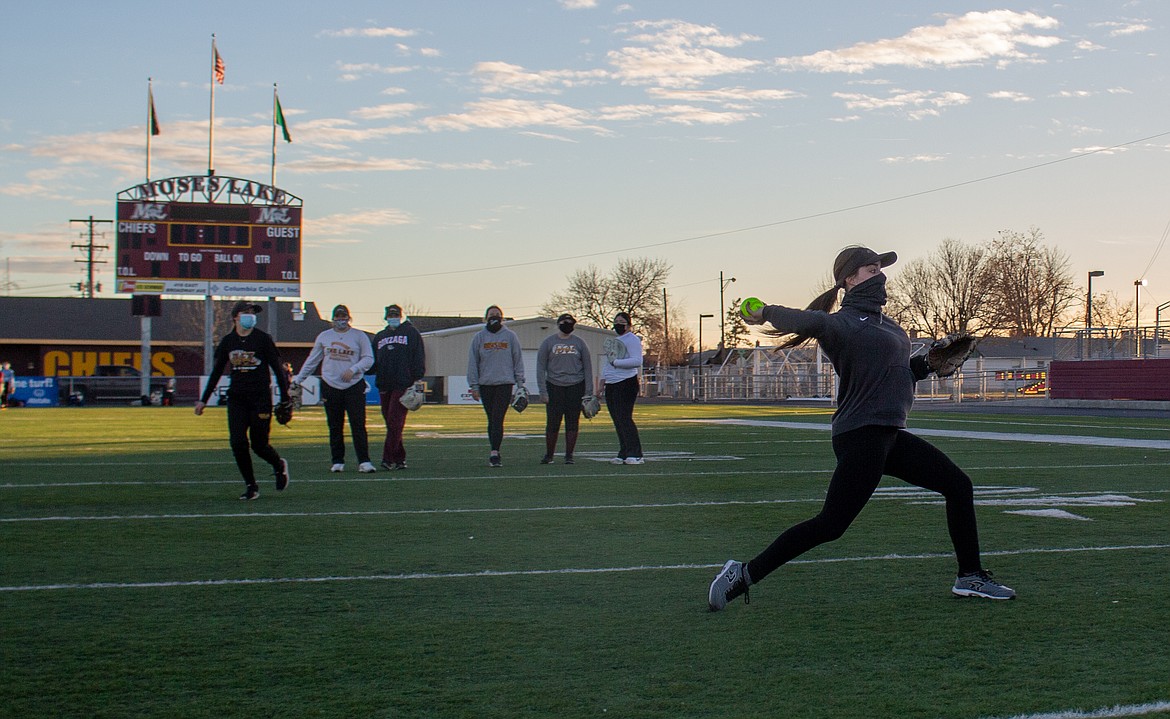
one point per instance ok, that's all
(566, 327)
(393, 322)
(620, 328)
(494, 324)
(341, 325)
(247, 321)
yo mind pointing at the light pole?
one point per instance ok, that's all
(1089, 313)
(722, 309)
(1137, 295)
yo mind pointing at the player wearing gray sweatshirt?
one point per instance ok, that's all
(563, 367)
(495, 364)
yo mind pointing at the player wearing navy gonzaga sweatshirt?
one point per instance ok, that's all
(399, 361)
(251, 354)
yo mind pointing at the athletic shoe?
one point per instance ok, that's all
(252, 492)
(337, 468)
(568, 459)
(635, 460)
(388, 466)
(282, 476)
(400, 466)
(980, 584)
(367, 467)
(727, 585)
(617, 460)
(546, 459)
(495, 461)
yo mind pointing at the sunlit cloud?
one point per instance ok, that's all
(917, 105)
(370, 32)
(1009, 95)
(502, 77)
(1119, 29)
(356, 71)
(386, 112)
(722, 95)
(506, 114)
(902, 160)
(578, 4)
(973, 38)
(674, 53)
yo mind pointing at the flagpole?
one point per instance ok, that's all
(149, 122)
(274, 102)
(211, 130)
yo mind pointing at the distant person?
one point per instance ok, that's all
(250, 354)
(619, 382)
(399, 362)
(345, 355)
(7, 384)
(495, 365)
(871, 355)
(563, 368)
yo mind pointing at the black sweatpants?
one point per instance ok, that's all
(619, 401)
(863, 456)
(340, 403)
(249, 421)
(496, 399)
(563, 402)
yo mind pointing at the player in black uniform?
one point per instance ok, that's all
(251, 353)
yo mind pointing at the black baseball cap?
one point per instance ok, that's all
(340, 310)
(393, 311)
(245, 307)
(852, 259)
(566, 317)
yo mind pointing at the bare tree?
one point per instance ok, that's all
(1110, 311)
(672, 350)
(633, 286)
(947, 291)
(1031, 284)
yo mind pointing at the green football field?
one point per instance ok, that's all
(134, 583)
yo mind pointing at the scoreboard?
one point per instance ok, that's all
(175, 246)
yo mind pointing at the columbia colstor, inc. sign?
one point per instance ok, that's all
(208, 235)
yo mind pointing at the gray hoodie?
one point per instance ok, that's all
(494, 358)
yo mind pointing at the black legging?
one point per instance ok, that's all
(563, 402)
(496, 399)
(249, 420)
(619, 401)
(863, 456)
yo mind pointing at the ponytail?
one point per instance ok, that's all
(824, 302)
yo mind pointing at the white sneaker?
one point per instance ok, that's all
(337, 468)
(635, 460)
(367, 467)
(617, 460)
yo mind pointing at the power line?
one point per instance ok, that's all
(777, 223)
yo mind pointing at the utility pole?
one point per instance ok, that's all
(91, 249)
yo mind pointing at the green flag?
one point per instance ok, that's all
(281, 121)
(154, 129)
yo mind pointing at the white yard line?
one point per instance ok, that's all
(1127, 710)
(490, 573)
(957, 434)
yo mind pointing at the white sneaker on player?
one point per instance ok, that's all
(337, 468)
(367, 467)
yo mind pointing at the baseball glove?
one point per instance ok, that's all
(283, 412)
(412, 398)
(520, 398)
(948, 354)
(614, 349)
(296, 395)
(590, 406)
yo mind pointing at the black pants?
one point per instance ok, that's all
(338, 404)
(619, 401)
(496, 399)
(249, 420)
(563, 402)
(863, 456)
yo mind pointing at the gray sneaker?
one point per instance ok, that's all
(980, 584)
(727, 585)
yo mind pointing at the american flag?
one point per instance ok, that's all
(219, 66)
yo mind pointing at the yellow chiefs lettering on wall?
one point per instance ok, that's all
(81, 363)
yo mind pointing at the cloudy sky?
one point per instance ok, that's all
(453, 155)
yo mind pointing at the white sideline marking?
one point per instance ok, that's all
(1051, 513)
(994, 436)
(538, 572)
(1118, 710)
